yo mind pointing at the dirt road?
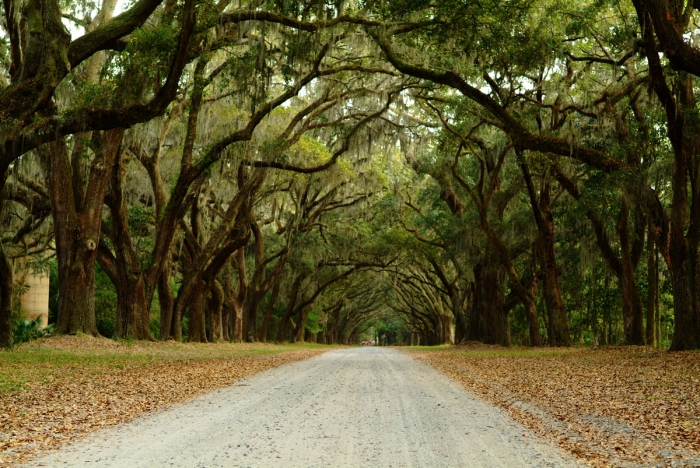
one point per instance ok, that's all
(351, 407)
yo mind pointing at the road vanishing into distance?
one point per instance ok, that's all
(346, 408)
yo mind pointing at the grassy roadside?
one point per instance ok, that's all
(621, 406)
(57, 390)
(51, 360)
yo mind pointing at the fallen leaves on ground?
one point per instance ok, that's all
(621, 406)
(60, 403)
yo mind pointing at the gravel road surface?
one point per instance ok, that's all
(347, 408)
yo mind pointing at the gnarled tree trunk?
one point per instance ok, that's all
(557, 325)
(298, 334)
(488, 321)
(267, 315)
(196, 327)
(632, 312)
(124, 268)
(652, 291)
(283, 333)
(77, 216)
(5, 299)
(214, 307)
(166, 302)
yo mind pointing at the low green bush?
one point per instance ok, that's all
(24, 330)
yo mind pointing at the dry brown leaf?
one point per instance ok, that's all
(608, 407)
(45, 415)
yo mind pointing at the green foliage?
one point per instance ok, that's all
(141, 219)
(313, 324)
(105, 303)
(24, 331)
(415, 189)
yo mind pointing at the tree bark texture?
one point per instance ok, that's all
(283, 331)
(682, 253)
(652, 290)
(133, 303)
(267, 315)
(238, 299)
(488, 322)
(624, 264)
(299, 331)
(166, 302)
(77, 228)
(523, 292)
(6, 279)
(214, 308)
(196, 327)
(632, 311)
(250, 316)
(226, 310)
(557, 325)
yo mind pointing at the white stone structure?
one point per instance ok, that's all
(35, 301)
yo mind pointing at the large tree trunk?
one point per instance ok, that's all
(447, 330)
(456, 300)
(682, 254)
(652, 289)
(166, 302)
(177, 322)
(226, 309)
(132, 308)
(196, 327)
(267, 315)
(283, 332)
(298, 334)
(684, 335)
(76, 300)
(132, 319)
(238, 299)
(259, 286)
(557, 325)
(133, 303)
(633, 314)
(6, 284)
(77, 218)
(523, 292)
(237, 323)
(214, 308)
(624, 265)
(226, 315)
(332, 326)
(532, 320)
(5, 299)
(250, 317)
(488, 322)
(458, 311)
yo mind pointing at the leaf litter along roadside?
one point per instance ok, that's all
(622, 406)
(57, 390)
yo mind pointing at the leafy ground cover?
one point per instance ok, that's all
(56, 390)
(621, 406)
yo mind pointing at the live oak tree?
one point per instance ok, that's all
(502, 69)
(304, 170)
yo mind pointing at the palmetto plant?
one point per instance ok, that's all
(24, 330)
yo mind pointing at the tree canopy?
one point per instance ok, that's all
(519, 172)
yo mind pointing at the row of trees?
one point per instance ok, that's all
(522, 172)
